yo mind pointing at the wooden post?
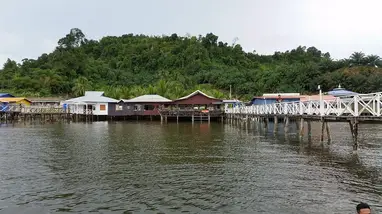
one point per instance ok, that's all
(322, 129)
(192, 118)
(286, 124)
(209, 117)
(328, 132)
(177, 118)
(275, 124)
(302, 128)
(309, 131)
(266, 121)
(161, 119)
(354, 131)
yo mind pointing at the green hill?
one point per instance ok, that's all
(173, 66)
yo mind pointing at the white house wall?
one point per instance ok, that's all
(79, 108)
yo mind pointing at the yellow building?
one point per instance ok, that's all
(16, 100)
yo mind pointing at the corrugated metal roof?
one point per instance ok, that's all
(91, 97)
(94, 93)
(149, 98)
(196, 92)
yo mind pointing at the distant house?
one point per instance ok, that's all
(15, 100)
(197, 100)
(273, 98)
(93, 102)
(46, 101)
(3, 95)
(142, 105)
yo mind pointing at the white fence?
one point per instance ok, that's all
(356, 105)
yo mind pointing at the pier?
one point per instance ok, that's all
(354, 110)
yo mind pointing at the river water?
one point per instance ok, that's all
(146, 167)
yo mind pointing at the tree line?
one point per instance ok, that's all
(173, 66)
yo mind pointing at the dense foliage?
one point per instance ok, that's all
(173, 66)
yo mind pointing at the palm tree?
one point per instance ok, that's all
(357, 58)
(81, 85)
(372, 60)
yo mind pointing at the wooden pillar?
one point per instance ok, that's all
(161, 119)
(209, 117)
(322, 129)
(354, 131)
(276, 124)
(286, 124)
(192, 117)
(328, 132)
(177, 118)
(301, 128)
(309, 131)
(266, 121)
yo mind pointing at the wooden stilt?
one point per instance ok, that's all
(266, 121)
(309, 131)
(286, 124)
(301, 128)
(328, 132)
(322, 130)
(275, 124)
(354, 131)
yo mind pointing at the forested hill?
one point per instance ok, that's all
(172, 66)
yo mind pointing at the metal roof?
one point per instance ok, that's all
(196, 92)
(91, 97)
(341, 92)
(149, 98)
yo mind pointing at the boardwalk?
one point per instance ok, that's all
(362, 108)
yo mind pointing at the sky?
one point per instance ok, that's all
(340, 27)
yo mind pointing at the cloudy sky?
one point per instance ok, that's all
(31, 27)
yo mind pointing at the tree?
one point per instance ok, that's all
(81, 85)
(72, 40)
(357, 58)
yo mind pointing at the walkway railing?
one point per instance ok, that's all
(356, 105)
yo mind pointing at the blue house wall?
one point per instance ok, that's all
(262, 101)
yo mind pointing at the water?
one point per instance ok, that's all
(152, 168)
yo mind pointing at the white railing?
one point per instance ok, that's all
(356, 105)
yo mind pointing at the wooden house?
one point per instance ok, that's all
(46, 101)
(16, 100)
(145, 105)
(92, 103)
(198, 100)
(196, 106)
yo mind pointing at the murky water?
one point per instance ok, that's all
(218, 168)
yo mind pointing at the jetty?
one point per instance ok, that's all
(354, 110)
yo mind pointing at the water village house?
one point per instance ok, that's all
(46, 101)
(196, 106)
(92, 103)
(16, 101)
(145, 105)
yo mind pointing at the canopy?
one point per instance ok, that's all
(341, 92)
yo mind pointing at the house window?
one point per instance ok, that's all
(149, 107)
(102, 107)
(128, 107)
(137, 108)
(118, 107)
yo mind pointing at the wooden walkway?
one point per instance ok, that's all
(362, 108)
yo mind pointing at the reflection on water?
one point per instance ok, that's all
(171, 168)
